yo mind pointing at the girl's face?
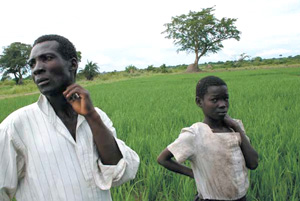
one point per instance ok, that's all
(215, 102)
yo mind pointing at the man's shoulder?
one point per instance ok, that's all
(20, 114)
(98, 110)
(24, 110)
(101, 113)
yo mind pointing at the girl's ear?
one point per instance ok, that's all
(198, 101)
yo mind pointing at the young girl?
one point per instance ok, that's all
(218, 148)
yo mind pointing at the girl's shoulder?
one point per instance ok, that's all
(240, 123)
(197, 129)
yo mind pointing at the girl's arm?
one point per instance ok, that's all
(250, 155)
(165, 159)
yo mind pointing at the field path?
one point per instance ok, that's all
(17, 95)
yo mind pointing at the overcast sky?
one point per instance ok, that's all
(115, 34)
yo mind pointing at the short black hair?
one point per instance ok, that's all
(204, 83)
(65, 48)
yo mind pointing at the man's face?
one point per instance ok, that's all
(50, 72)
(215, 102)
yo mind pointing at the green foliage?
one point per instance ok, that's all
(257, 61)
(14, 61)
(163, 68)
(150, 68)
(78, 56)
(131, 69)
(200, 32)
(90, 70)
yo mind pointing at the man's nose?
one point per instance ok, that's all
(38, 68)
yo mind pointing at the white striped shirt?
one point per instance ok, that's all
(40, 160)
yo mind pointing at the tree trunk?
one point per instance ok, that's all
(193, 68)
(16, 78)
(20, 78)
(20, 81)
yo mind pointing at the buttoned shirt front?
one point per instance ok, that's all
(40, 160)
(217, 161)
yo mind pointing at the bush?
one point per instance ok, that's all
(131, 69)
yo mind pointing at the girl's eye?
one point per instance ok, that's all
(214, 100)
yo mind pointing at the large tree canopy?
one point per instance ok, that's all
(14, 60)
(200, 33)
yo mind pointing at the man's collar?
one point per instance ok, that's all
(48, 110)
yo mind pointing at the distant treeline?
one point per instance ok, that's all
(242, 62)
(256, 61)
(245, 61)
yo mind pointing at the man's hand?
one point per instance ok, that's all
(80, 99)
(108, 149)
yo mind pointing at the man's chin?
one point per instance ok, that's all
(48, 92)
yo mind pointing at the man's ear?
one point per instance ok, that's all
(74, 64)
(198, 101)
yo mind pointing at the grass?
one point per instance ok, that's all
(149, 112)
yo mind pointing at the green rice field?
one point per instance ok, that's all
(149, 112)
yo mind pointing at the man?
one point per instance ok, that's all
(61, 147)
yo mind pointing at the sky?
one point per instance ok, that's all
(118, 33)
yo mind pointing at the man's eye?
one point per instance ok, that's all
(31, 64)
(46, 58)
(49, 58)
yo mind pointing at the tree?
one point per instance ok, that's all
(14, 60)
(150, 68)
(257, 61)
(201, 33)
(78, 56)
(131, 69)
(243, 56)
(241, 60)
(90, 70)
(163, 68)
